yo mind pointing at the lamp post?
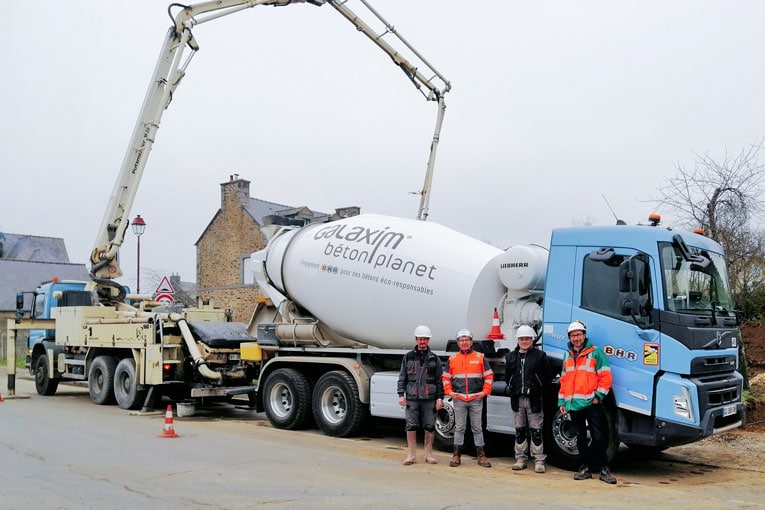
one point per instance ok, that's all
(139, 226)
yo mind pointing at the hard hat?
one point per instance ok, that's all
(525, 331)
(577, 326)
(465, 332)
(422, 331)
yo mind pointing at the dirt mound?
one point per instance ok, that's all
(753, 336)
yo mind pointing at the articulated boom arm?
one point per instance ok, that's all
(171, 68)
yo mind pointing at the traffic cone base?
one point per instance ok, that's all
(168, 430)
(496, 331)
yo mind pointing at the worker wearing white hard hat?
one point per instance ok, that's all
(468, 379)
(420, 389)
(584, 383)
(527, 375)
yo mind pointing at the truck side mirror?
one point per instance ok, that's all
(19, 304)
(628, 276)
(628, 287)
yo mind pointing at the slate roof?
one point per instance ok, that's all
(24, 276)
(32, 248)
(258, 208)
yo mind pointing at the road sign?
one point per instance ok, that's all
(164, 287)
(165, 298)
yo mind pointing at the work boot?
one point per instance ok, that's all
(606, 476)
(457, 457)
(583, 473)
(520, 463)
(411, 447)
(539, 466)
(482, 460)
(429, 438)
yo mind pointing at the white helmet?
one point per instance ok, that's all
(423, 332)
(577, 326)
(525, 331)
(465, 332)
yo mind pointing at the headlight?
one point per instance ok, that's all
(683, 406)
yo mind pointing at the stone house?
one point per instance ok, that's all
(223, 273)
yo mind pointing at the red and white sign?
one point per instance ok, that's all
(164, 292)
(164, 298)
(164, 287)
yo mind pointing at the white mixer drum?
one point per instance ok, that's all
(375, 278)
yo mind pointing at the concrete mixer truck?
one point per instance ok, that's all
(341, 300)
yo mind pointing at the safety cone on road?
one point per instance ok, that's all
(1, 397)
(169, 431)
(496, 332)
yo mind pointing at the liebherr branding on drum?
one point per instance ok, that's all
(356, 239)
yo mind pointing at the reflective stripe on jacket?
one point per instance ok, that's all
(584, 377)
(467, 375)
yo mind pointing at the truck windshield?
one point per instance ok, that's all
(691, 289)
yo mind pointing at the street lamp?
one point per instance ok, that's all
(139, 226)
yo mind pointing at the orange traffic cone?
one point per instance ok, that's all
(169, 431)
(496, 332)
(1, 397)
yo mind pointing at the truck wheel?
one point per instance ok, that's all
(445, 426)
(44, 384)
(560, 437)
(101, 379)
(336, 406)
(287, 397)
(125, 387)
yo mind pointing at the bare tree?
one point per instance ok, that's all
(720, 196)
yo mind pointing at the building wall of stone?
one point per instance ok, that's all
(240, 300)
(231, 235)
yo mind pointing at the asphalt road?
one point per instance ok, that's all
(66, 452)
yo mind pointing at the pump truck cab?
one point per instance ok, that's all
(342, 299)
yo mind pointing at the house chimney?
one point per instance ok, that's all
(234, 192)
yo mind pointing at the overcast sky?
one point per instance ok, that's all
(554, 105)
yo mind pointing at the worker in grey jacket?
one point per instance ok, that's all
(420, 389)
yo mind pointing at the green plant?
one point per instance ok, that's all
(19, 362)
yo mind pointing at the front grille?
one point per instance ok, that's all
(712, 364)
(716, 391)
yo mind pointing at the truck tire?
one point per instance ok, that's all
(101, 379)
(126, 390)
(44, 384)
(445, 426)
(287, 398)
(560, 436)
(337, 409)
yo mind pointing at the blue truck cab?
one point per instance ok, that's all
(38, 305)
(657, 302)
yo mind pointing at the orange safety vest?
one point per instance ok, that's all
(467, 376)
(583, 378)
